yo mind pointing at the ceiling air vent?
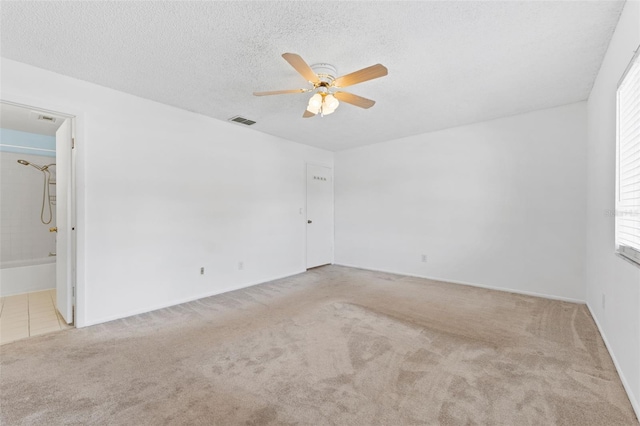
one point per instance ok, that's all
(34, 115)
(242, 120)
(47, 118)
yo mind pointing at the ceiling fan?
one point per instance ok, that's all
(323, 78)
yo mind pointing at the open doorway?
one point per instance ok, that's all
(37, 260)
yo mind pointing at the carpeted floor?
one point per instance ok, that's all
(332, 346)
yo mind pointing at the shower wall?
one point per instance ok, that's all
(25, 242)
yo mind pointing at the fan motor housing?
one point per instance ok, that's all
(326, 72)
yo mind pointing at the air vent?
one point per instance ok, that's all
(242, 120)
(47, 118)
(35, 115)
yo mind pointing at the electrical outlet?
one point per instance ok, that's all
(424, 258)
(240, 266)
(603, 301)
(202, 271)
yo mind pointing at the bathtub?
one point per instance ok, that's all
(23, 276)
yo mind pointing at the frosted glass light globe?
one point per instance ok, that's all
(331, 103)
(315, 103)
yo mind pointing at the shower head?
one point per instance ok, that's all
(26, 163)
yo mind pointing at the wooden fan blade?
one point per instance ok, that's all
(301, 66)
(365, 74)
(279, 92)
(356, 100)
(307, 114)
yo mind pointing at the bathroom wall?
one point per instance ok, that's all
(26, 141)
(24, 240)
(24, 237)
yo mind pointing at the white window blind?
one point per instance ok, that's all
(628, 179)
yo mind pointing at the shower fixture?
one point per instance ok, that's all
(41, 168)
(45, 190)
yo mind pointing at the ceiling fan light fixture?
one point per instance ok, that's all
(315, 103)
(323, 103)
(329, 104)
(322, 77)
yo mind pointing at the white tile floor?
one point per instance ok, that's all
(29, 314)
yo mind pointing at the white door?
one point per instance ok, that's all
(63, 221)
(319, 216)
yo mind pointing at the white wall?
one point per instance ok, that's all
(498, 204)
(607, 274)
(163, 192)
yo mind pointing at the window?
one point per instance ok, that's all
(628, 163)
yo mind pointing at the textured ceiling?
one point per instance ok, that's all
(450, 63)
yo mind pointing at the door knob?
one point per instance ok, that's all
(54, 229)
(308, 221)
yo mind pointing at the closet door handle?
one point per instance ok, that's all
(308, 221)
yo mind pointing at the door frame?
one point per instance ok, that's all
(306, 211)
(77, 196)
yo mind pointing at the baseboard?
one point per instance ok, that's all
(634, 402)
(186, 300)
(488, 287)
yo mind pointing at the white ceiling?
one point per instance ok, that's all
(450, 63)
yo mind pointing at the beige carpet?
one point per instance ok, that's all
(332, 346)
